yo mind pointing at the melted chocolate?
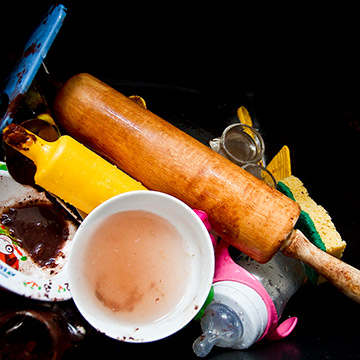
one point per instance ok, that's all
(40, 229)
(17, 137)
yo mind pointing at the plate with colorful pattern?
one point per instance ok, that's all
(35, 240)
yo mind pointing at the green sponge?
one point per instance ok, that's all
(314, 222)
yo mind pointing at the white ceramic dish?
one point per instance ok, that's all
(24, 276)
(198, 245)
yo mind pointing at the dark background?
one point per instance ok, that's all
(295, 69)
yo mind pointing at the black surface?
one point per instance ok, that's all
(297, 75)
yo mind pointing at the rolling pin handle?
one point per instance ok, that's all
(343, 276)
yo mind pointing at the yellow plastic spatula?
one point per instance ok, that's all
(70, 170)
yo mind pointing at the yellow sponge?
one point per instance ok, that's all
(324, 226)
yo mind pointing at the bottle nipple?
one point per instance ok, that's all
(221, 327)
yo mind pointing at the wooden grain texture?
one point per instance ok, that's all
(345, 277)
(246, 212)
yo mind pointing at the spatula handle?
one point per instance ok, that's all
(345, 277)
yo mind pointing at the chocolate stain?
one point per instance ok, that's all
(17, 137)
(127, 305)
(41, 229)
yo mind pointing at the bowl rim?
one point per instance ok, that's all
(203, 259)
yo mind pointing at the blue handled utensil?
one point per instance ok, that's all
(28, 65)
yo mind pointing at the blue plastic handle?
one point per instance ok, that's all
(28, 65)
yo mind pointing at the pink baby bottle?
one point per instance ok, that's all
(248, 301)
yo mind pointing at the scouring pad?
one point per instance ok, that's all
(314, 222)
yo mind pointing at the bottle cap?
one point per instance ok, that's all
(221, 326)
(248, 305)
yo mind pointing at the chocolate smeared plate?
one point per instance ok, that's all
(35, 239)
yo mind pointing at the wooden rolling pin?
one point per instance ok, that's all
(242, 209)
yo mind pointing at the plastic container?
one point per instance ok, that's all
(248, 301)
(281, 277)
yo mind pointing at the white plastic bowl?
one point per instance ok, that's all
(198, 243)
